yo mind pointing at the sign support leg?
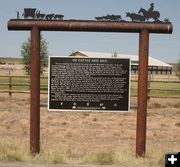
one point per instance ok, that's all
(142, 93)
(35, 92)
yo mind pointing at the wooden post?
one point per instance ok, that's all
(142, 93)
(10, 85)
(35, 92)
(149, 87)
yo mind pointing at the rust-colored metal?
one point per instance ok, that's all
(35, 92)
(142, 93)
(89, 26)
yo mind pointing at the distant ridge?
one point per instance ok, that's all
(10, 60)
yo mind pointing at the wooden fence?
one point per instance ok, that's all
(21, 84)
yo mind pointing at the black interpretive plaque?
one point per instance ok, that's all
(94, 84)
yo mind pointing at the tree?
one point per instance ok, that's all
(177, 69)
(25, 54)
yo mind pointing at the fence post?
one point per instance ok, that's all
(10, 85)
(149, 86)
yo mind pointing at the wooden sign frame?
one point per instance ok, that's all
(36, 26)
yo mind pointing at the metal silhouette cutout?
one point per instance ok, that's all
(149, 14)
(29, 12)
(33, 13)
(135, 17)
(109, 18)
(145, 16)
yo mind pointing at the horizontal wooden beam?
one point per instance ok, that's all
(89, 26)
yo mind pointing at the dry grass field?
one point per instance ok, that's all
(87, 137)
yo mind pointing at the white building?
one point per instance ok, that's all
(155, 66)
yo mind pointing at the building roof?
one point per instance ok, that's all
(134, 58)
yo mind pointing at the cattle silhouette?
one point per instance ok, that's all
(135, 17)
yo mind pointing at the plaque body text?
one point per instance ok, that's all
(97, 84)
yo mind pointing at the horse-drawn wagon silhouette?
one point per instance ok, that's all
(33, 13)
(29, 12)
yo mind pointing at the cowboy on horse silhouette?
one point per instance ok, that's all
(150, 13)
(151, 7)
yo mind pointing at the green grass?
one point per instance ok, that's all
(159, 85)
(43, 81)
(165, 85)
(160, 93)
(153, 85)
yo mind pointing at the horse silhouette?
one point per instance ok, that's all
(150, 14)
(40, 15)
(136, 17)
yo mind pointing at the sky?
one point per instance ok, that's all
(165, 47)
